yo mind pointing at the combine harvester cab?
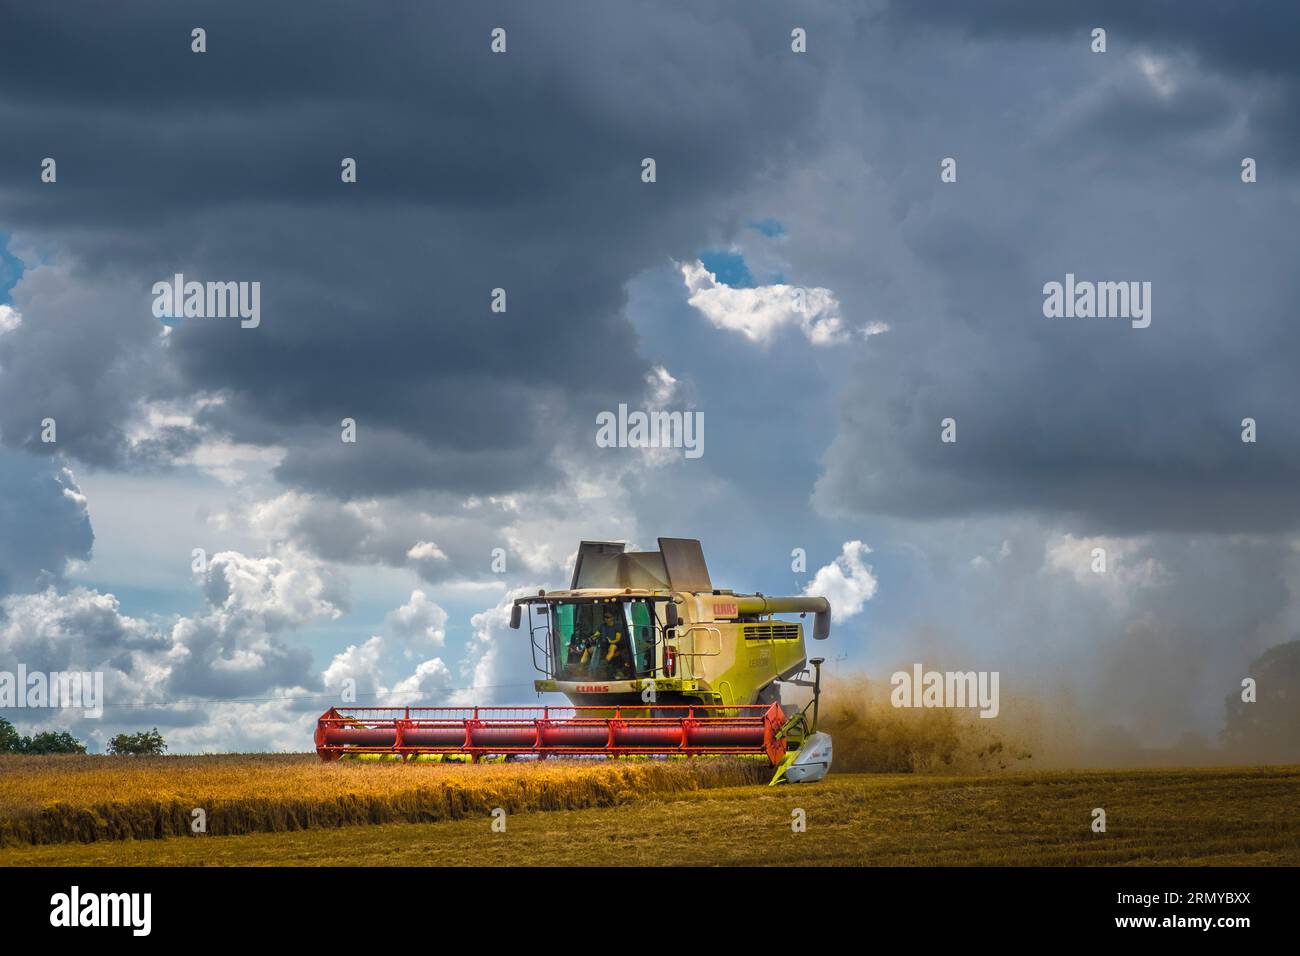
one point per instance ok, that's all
(653, 659)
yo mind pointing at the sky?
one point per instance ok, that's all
(779, 176)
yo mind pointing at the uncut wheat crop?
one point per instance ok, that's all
(91, 798)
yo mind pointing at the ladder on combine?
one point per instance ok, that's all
(697, 730)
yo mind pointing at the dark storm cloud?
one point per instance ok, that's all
(388, 464)
(1114, 167)
(1254, 40)
(43, 522)
(81, 356)
(476, 171)
(1249, 37)
(520, 171)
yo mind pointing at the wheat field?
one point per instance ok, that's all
(84, 799)
(1224, 816)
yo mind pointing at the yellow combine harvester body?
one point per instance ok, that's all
(650, 627)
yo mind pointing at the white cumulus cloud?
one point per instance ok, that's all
(757, 313)
(9, 319)
(847, 582)
(498, 662)
(1126, 570)
(359, 663)
(426, 551)
(419, 618)
(431, 680)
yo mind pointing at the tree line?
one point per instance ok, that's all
(143, 744)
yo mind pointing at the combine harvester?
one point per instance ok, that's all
(653, 659)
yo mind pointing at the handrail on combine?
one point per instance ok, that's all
(688, 657)
(617, 730)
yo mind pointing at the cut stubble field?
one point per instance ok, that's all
(293, 811)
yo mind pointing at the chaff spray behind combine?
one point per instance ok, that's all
(653, 659)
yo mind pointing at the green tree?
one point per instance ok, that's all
(52, 742)
(10, 741)
(147, 743)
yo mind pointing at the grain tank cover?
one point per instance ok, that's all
(684, 560)
(678, 565)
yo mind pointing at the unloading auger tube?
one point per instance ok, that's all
(654, 661)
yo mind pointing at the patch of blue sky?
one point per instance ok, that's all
(11, 270)
(729, 267)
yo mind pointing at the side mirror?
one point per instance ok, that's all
(670, 615)
(514, 616)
